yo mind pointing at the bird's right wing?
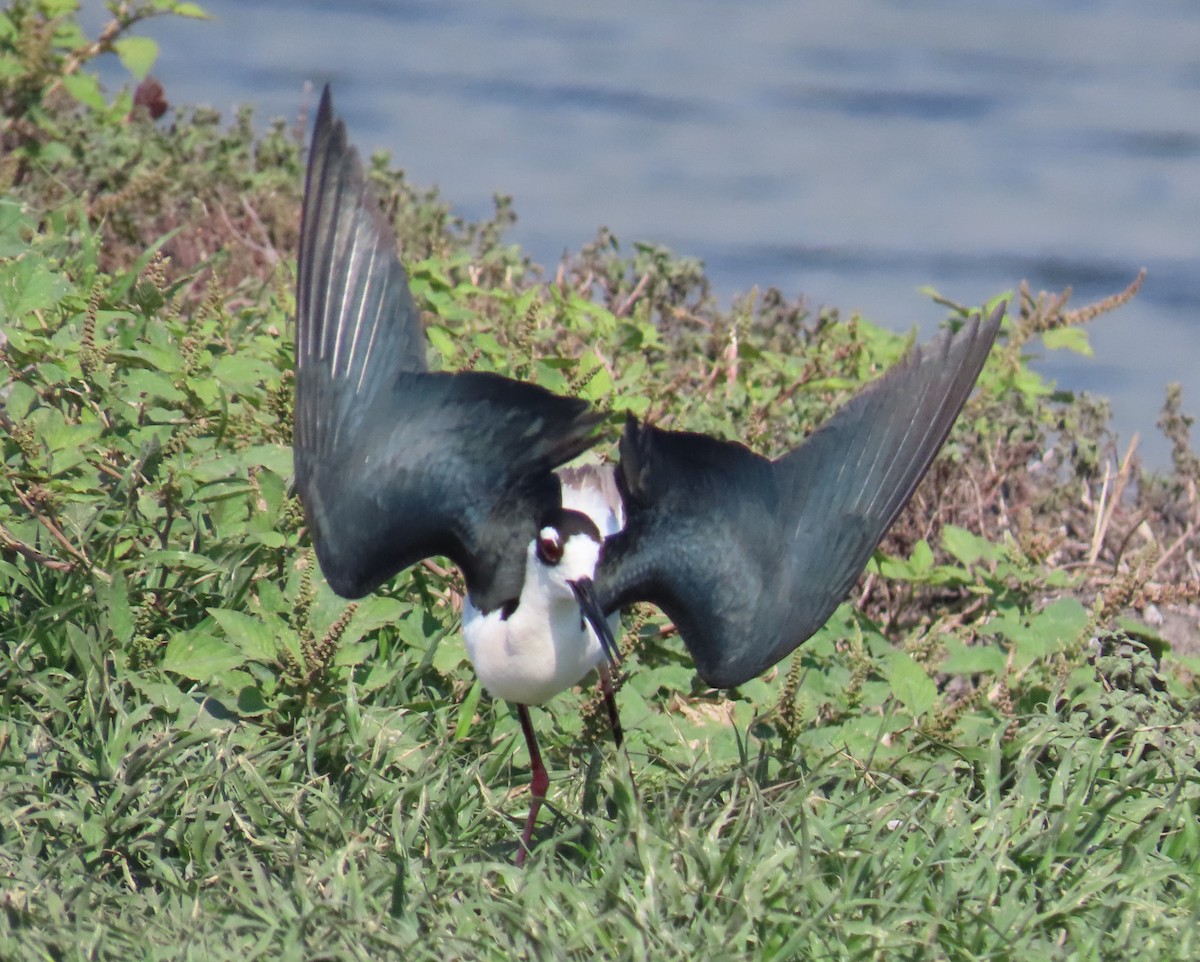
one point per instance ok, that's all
(394, 463)
(749, 557)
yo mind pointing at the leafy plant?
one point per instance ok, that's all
(989, 753)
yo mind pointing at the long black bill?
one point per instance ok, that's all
(592, 611)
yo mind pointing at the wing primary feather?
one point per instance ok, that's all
(376, 321)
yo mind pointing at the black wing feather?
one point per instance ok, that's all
(394, 463)
(749, 557)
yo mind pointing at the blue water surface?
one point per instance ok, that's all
(854, 151)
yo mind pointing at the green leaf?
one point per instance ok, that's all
(242, 373)
(160, 693)
(921, 557)
(152, 357)
(21, 398)
(668, 677)
(600, 384)
(1031, 383)
(450, 656)
(85, 88)
(353, 655)
(909, 683)
(153, 385)
(270, 539)
(1042, 633)
(200, 656)
(137, 54)
(1071, 338)
(378, 676)
(256, 640)
(441, 340)
(972, 659)
(174, 559)
(487, 343)
(466, 712)
(32, 287)
(115, 597)
(250, 701)
(372, 613)
(10, 67)
(14, 225)
(276, 458)
(1063, 620)
(964, 546)
(192, 10)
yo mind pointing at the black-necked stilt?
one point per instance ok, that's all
(395, 463)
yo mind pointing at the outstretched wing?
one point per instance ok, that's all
(395, 463)
(749, 557)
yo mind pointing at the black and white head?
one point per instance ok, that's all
(568, 547)
(567, 551)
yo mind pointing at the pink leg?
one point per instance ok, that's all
(537, 785)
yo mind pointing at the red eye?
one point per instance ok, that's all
(549, 547)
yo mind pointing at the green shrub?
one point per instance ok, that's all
(205, 754)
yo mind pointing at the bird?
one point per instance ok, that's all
(394, 463)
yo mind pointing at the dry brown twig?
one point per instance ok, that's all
(1109, 502)
(13, 543)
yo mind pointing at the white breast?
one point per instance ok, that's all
(545, 646)
(542, 648)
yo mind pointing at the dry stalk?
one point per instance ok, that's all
(1108, 504)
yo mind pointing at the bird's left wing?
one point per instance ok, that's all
(749, 557)
(394, 462)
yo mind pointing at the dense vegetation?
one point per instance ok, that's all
(989, 753)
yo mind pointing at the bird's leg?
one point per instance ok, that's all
(538, 784)
(610, 702)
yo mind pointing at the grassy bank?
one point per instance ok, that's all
(990, 753)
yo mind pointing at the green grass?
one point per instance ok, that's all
(190, 838)
(205, 755)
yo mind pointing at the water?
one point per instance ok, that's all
(854, 151)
